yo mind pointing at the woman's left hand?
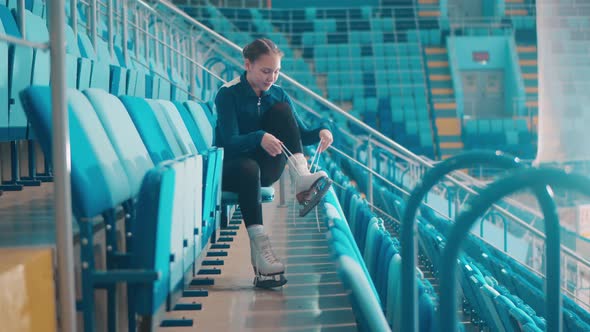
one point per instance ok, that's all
(326, 139)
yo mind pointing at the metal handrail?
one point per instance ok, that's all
(61, 166)
(531, 178)
(408, 240)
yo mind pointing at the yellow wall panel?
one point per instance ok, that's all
(27, 290)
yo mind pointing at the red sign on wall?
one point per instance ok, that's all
(481, 56)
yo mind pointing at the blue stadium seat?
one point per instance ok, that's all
(99, 181)
(19, 60)
(4, 88)
(123, 135)
(99, 77)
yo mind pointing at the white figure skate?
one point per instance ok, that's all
(268, 268)
(310, 188)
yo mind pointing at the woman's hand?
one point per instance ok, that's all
(271, 144)
(326, 139)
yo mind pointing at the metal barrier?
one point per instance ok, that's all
(408, 239)
(536, 179)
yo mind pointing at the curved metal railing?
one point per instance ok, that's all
(531, 178)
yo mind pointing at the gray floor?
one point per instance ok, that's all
(26, 217)
(312, 300)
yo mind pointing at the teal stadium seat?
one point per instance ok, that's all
(101, 182)
(4, 88)
(19, 60)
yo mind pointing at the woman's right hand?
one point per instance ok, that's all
(271, 144)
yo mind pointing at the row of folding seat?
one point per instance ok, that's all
(86, 66)
(19, 67)
(153, 157)
(113, 158)
(357, 234)
(517, 280)
(433, 246)
(369, 63)
(495, 284)
(386, 77)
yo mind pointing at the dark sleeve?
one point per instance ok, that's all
(228, 132)
(308, 135)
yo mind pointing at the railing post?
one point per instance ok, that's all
(61, 162)
(193, 71)
(92, 25)
(74, 16)
(370, 165)
(147, 45)
(21, 17)
(126, 33)
(111, 27)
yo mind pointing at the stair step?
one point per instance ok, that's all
(436, 50)
(442, 91)
(515, 1)
(530, 76)
(448, 126)
(532, 103)
(445, 106)
(527, 49)
(440, 77)
(429, 13)
(451, 145)
(428, 2)
(530, 62)
(532, 89)
(516, 12)
(438, 64)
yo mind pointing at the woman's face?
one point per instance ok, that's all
(263, 72)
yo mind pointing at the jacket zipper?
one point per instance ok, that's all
(259, 102)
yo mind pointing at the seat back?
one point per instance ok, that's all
(123, 134)
(169, 132)
(100, 77)
(4, 91)
(192, 127)
(148, 127)
(199, 116)
(366, 306)
(179, 129)
(20, 66)
(99, 180)
(72, 55)
(37, 32)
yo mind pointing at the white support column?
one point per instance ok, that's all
(563, 41)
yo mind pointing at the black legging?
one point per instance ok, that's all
(246, 175)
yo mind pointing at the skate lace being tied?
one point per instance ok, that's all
(314, 161)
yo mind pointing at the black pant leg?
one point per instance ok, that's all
(242, 176)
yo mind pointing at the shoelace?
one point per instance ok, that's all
(314, 161)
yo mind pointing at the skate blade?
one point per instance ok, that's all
(316, 199)
(307, 195)
(270, 283)
(268, 274)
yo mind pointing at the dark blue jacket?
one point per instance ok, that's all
(238, 117)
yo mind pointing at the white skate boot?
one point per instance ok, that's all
(268, 268)
(310, 188)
